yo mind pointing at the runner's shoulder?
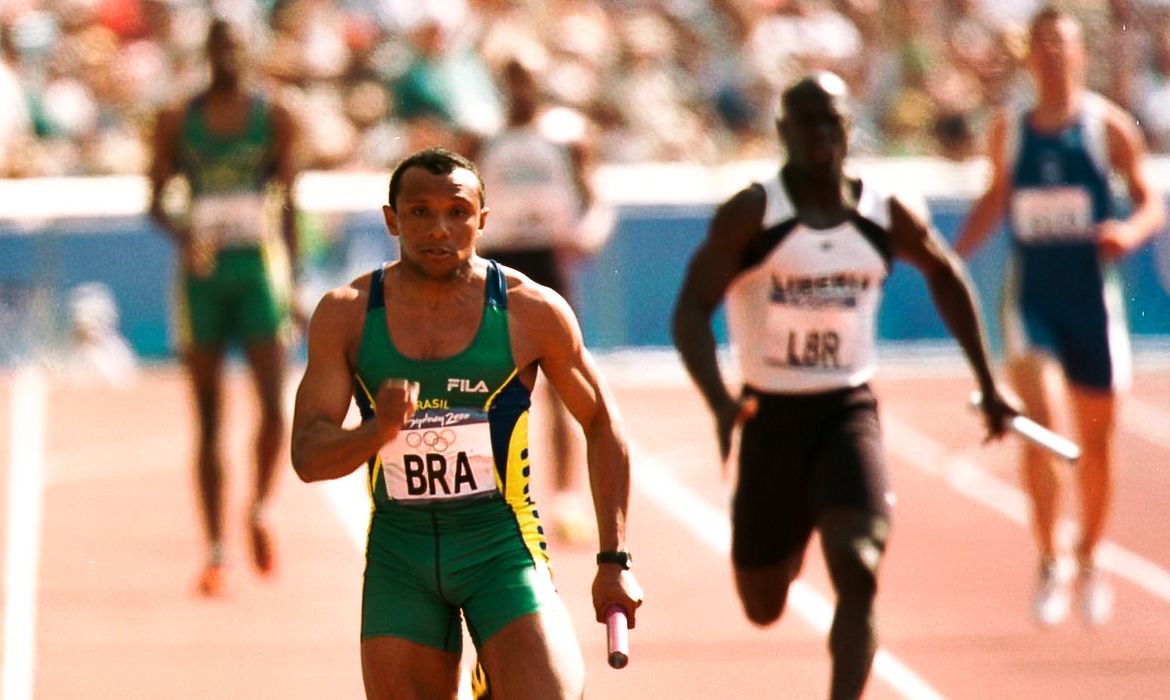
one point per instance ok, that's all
(344, 306)
(527, 297)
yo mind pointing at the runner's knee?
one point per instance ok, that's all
(764, 611)
(854, 543)
(763, 591)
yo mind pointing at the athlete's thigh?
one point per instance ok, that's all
(399, 669)
(263, 304)
(771, 514)
(201, 316)
(535, 657)
(849, 467)
(401, 595)
(1095, 354)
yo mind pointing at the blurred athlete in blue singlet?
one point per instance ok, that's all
(1063, 304)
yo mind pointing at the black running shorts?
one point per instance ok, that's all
(801, 455)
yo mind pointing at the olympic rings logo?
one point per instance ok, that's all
(434, 440)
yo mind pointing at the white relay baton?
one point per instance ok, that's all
(1037, 434)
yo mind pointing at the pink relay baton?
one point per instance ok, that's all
(617, 636)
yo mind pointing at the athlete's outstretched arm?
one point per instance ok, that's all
(709, 274)
(321, 447)
(955, 298)
(545, 332)
(989, 209)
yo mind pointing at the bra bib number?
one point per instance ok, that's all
(440, 455)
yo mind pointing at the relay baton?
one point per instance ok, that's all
(1037, 434)
(617, 636)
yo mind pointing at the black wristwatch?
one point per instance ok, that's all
(621, 558)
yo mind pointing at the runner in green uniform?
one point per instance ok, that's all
(441, 349)
(234, 149)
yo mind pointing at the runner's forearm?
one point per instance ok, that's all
(609, 481)
(696, 345)
(322, 451)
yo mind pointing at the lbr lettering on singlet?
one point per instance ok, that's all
(1052, 214)
(817, 349)
(226, 220)
(815, 326)
(440, 454)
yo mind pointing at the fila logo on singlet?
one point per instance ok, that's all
(465, 386)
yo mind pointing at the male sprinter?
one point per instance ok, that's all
(801, 259)
(441, 349)
(1064, 312)
(235, 149)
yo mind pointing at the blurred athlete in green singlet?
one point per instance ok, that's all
(236, 242)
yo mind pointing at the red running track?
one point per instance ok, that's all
(111, 579)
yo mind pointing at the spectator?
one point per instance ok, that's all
(98, 351)
(702, 69)
(445, 95)
(1152, 107)
(15, 120)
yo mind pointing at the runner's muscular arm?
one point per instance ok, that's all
(954, 297)
(286, 168)
(1127, 151)
(164, 166)
(989, 209)
(551, 328)
(321, 447)
(708, 276)
(545, 330)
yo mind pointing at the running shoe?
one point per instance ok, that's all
(263, 551)
(1051, 603)
(210, 583)
(1094, 596)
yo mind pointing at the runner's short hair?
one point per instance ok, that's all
(436, 160)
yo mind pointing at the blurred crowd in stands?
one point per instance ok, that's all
(644, 80)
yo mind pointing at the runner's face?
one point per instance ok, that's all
(225, 50)
(438, 219)
(814, 131)
(1056, 50)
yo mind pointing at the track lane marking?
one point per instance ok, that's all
(962, 473)
(712, 527)
(26, 480)
(958, 470)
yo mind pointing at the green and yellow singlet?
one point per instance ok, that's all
(467, 443)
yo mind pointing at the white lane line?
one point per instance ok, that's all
(963, 475)
(1146, 420)
(26, 478)
(711, 526)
